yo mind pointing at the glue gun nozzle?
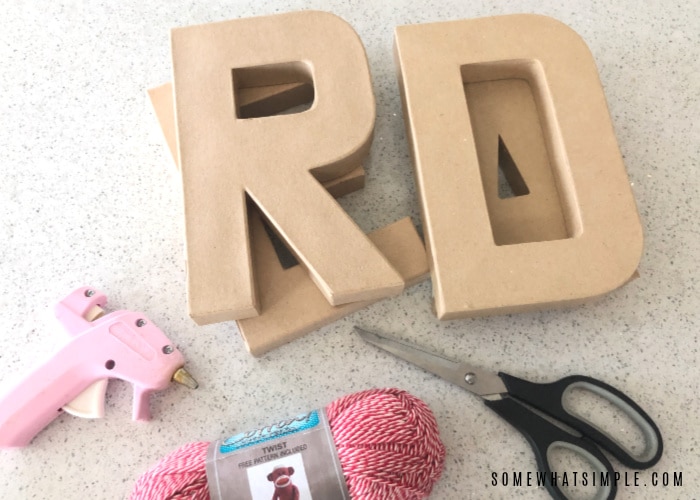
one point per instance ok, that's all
(182, 376)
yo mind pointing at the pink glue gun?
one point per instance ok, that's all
(121, 344)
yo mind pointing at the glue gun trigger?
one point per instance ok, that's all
(91, 402)
(141, 409)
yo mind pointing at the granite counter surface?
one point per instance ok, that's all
(88, 196)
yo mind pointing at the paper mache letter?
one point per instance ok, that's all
(228, 159)
(519, 95)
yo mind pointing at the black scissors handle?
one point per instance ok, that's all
(550, 399)
(544, 437)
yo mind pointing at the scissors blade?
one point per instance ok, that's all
(480, 382)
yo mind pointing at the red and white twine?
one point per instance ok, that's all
(387, 442)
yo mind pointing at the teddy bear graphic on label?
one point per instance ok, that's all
(284, 488)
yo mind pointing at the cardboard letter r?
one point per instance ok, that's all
(277, 162)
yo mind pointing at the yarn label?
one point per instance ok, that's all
(294, 459)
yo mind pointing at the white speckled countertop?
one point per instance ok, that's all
(87, 196)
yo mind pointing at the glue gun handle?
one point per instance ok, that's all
(37, 400)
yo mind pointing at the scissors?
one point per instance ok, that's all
(522, 404)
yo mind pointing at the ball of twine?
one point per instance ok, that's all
(387, 441)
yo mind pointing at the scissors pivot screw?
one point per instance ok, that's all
(470, 378)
